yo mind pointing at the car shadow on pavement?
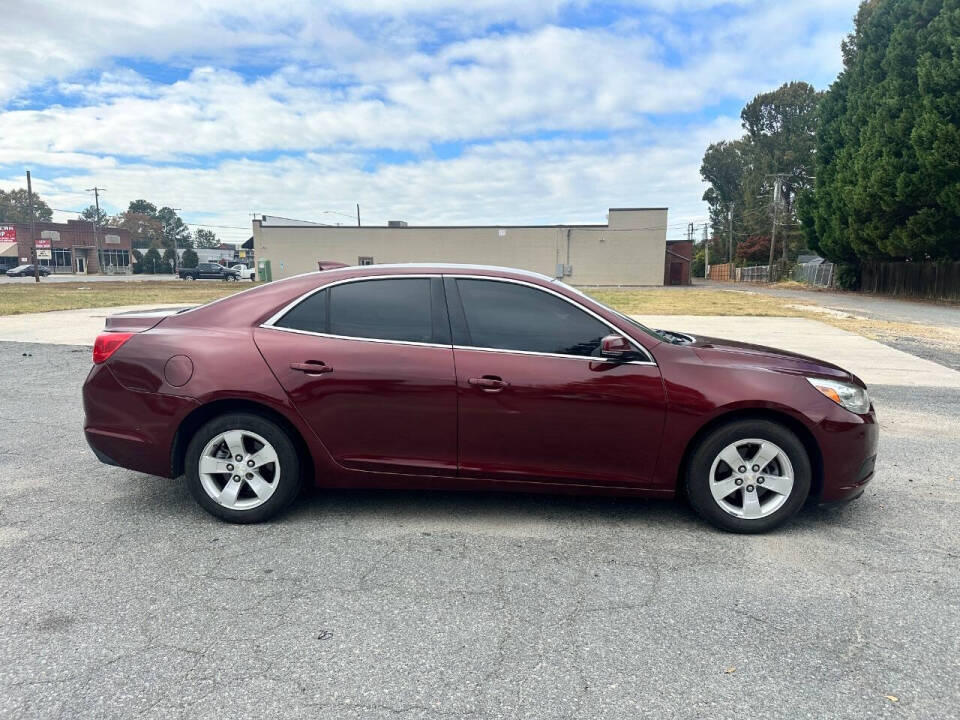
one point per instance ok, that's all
(500, 513)
(477, 510)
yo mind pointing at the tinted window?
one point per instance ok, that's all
(380, 309)
(309, 315)
(516, 317)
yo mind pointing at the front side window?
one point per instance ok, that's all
(392, 309)
(507, 316)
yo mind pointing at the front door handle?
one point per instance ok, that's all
(490, 383)
(312, 367)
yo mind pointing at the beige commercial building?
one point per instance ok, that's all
(628, 250)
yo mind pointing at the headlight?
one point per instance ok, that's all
(853, 397)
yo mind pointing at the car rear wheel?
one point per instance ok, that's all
(190, 277)
(748, 476)
(242, 468)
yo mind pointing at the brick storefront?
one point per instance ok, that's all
(73, 247)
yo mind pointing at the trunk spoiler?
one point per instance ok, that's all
(139, 320)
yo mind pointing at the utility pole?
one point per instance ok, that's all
(358, 214)
(176, 247)
(706, 253)
(33, 230)
(96, 222)
(730, 234)
(773, 231)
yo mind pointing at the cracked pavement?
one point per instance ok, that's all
(119, 597)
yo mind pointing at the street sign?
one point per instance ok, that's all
(43, 243)
(43, 254)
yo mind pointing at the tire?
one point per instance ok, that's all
(189, 277)
(272, 485)
(760, 500)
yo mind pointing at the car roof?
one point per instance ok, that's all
(430, 268)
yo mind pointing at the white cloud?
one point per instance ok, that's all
(346, 78)
(509, 181)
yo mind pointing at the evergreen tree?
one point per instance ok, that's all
(189, 258)
(888, 149)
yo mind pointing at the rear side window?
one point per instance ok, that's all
(516, 317)
(393, 309)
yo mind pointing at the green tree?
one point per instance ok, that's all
(779, 143)
(189, 259)
(724, 166)
(888, 152)
(15, 207)
(152, 262)
(203, 238)
(91, 214)
(145, 231)
(169, 261)
(142, 207)
(137, 262)
(175, 233)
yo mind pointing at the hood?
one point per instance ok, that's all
(716, 351)
(139, 320)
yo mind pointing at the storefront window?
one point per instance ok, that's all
(114, 258)
(62, 257)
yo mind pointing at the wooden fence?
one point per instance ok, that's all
(933, 280)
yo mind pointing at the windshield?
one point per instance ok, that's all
(638, 325)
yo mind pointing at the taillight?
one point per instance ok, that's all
(107, 344)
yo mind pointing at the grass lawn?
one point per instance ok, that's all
(694, 302)
(17, 298)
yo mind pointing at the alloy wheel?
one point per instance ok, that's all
(239, 469)
(751, 478)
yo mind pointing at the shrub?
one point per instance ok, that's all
(847, 276)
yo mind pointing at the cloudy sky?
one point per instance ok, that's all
(431, 111)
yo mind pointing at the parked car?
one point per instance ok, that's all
(208, 271)
(468, 377)
(26, 271)
(246, 273)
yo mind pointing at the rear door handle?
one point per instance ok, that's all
(491, 383)
(311, 367)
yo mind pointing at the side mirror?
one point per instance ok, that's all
(616, 347)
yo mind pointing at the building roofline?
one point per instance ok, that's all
(432, 227)
(623, 209)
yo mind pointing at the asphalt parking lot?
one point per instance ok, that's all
(120, 597)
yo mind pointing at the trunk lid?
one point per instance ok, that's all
(137, 321)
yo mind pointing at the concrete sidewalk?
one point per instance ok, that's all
(63, 327)
(875, 363)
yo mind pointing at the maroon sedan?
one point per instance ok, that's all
(463, 377)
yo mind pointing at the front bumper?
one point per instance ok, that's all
(848, 446)
(130, 428)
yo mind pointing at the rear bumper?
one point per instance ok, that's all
(129, 428)
(848, 445)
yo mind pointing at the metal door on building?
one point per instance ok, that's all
(676, 273)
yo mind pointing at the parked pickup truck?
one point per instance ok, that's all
(246, 273)
(208, 271)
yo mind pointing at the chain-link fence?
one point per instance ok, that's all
(819, 274)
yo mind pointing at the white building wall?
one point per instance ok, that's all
(628, 250)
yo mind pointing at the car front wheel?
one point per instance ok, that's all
(748, 476)
(242, 468)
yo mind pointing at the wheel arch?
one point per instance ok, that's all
(197, 417)
(798, 428)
